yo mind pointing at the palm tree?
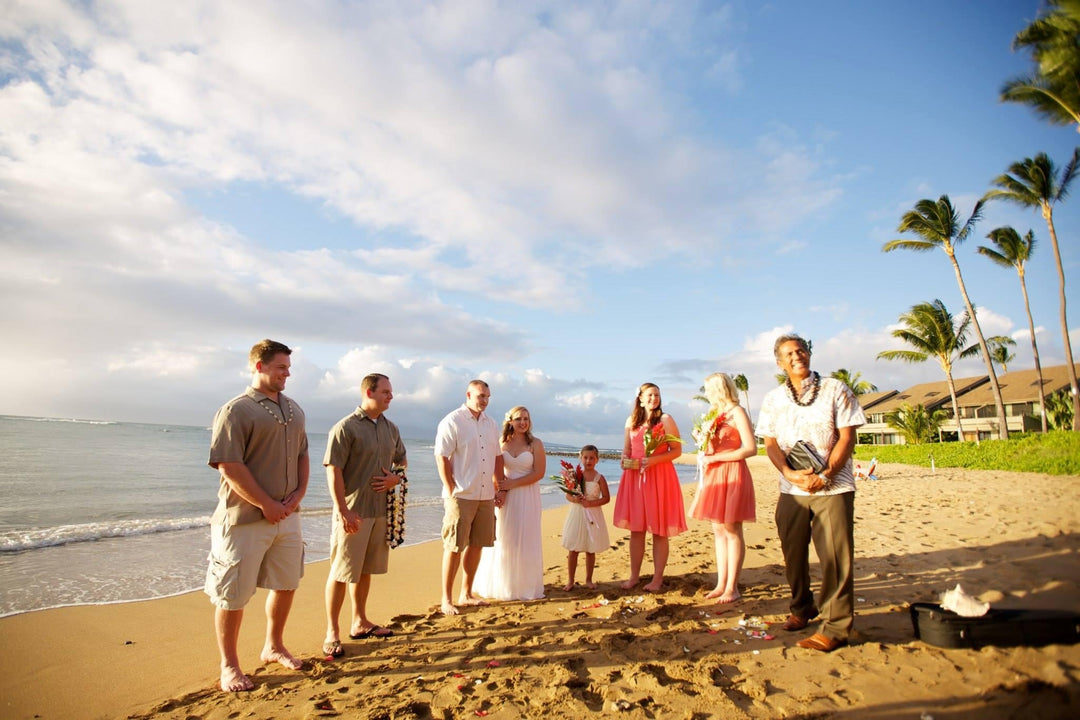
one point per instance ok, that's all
(1014, 251)
(701, 395)
(1053, 88)
(932, 332)
(915, 423)
(1034, 182)
(1060, 410)
(999, 350)
(743, 386)
(937, 226)
(855, 383)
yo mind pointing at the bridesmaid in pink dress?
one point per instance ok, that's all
(649, 498)
(725, 495)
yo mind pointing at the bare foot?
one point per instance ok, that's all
(590, 584)
(729, 598)
(282, 657)
(449, 608)
(569, 586)
(234, 680)
(630, 584)
(655, 586)
(471, 600)
(714, 593)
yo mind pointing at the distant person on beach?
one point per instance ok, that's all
(513, 568)
(725, 494)
(585, 529)
(362, 452)
(470, 465)
(819, 506)
(260, 448)
(649, 499)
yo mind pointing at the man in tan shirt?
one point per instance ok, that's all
(259, 447)
(361, 452)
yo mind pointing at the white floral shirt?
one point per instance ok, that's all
(835, 407)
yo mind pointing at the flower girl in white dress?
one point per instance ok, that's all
(585, 529)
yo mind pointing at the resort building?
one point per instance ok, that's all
(975, 398)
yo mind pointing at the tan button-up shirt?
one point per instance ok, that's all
(362, 447)
(269, 438)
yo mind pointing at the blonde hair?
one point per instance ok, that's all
(723, 387)
(508, 424)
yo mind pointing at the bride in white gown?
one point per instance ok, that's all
(514, 568)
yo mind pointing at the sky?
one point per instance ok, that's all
(566, 199)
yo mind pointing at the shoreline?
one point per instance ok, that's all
(1009, 538)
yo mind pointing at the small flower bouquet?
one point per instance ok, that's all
(655, 437)
(706, 427)
(571, 480)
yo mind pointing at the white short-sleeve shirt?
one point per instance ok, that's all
(471, 444)
(818, 424)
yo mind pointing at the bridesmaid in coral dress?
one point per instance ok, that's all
(725, 495)
(649, 498)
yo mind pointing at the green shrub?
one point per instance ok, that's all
(1055, 453)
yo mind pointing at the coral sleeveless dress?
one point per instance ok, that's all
(651, 501)
(726, 491)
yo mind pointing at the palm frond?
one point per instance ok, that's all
(976, 214)
(902, 244)
(994, 256)
(1067, 175)
(908, 356)
(1047, 101)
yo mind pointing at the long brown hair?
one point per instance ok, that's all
(637, 413)
(508, 425)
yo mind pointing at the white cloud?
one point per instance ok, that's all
(500, 139)
(491, 141)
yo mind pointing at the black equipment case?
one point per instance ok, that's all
(1002, 628)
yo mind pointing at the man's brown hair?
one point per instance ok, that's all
(370, 382)
(265, 350)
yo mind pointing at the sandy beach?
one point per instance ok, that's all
(1008, 538)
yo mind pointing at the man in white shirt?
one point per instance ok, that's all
(814, 506)
(470, 465)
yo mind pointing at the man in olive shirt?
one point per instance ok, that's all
(259, 447)
(362, 450)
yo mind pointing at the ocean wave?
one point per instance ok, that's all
(22, 540)
(71, 420)
(38, 538)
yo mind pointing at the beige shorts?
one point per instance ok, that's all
(468, 523)
(365, 552)
(258, 554)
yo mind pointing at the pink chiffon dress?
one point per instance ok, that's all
(726, 491)
(651, 501)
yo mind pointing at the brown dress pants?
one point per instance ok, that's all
(828, 520)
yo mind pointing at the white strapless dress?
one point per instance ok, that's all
(514, 568)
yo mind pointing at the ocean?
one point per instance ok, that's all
(102, 512)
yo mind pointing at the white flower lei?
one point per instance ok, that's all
(395, 510)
